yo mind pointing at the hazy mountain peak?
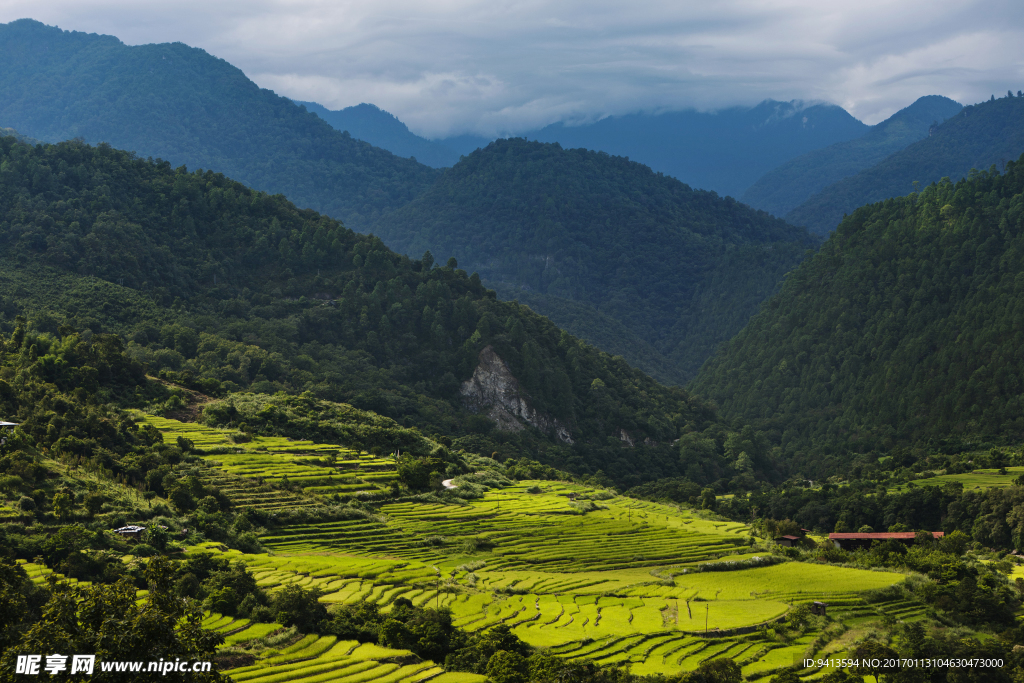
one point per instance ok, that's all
(785, 187)
(383, 129)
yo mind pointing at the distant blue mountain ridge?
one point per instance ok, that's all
(376, 126)
(725, 151)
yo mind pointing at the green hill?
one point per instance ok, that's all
(178, 103)
(980, 136)
(905, 328)
(679, 269)
(781, 190)
(223, 288)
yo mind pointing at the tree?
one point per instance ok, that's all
(182, 499)
(787, 676)
(94, 501)
(106, 620)
(870, 653)
(708, 501)
(157, 537)
(720, 670)
(414, 472)
(394, 633)
(295, 606)
(20, 601)
(67, 541)
(507, 667)
(63, 503)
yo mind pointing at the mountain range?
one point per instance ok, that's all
(180, 104)
(978, 137)
(223, 288)
(585, 237)
(724, 151)
(634, 261)
(784, 188)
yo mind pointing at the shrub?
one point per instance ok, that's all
(144, 550)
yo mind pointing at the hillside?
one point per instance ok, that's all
(725, 151)
(904, 329)
(980, 136)
(283, 533)
(782, 189)
(381, 129)
(679, 269)
(180, 104)
(282, 559)
(228, 289)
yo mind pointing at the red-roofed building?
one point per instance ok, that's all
(852, 541)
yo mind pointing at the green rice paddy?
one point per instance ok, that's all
(615, 586)
(241, 460)
(978, 479)
(623, 584)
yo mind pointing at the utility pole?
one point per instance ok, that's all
(706, 608)
(437, 586)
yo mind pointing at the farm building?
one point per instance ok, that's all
(853, 541)
(130, 531)
(788, 541)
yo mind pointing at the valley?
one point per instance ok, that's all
(324, 405)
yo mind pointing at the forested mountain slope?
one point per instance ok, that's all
(183, 105)
(223, 288)
(680, 269)
(906, 327)
(725, 151)
(784, 188)
(979, 136)
(384, 130)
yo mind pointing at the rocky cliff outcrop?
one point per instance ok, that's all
(494, 390)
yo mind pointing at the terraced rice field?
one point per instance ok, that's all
(620, 585)
(978, 479)
(611, 617)
(541, 531)
(346, 661)
(607, 586)
(319, 469)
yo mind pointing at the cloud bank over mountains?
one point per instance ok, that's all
(500, 67)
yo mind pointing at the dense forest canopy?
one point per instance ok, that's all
(680, 269)
(907, 327)
(979, 136)
(224, 288)
(181, 104)
(784, 188)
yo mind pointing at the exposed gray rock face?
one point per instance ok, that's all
(495, 391)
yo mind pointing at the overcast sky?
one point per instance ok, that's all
(496, 66)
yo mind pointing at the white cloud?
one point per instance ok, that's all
(496, 66)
